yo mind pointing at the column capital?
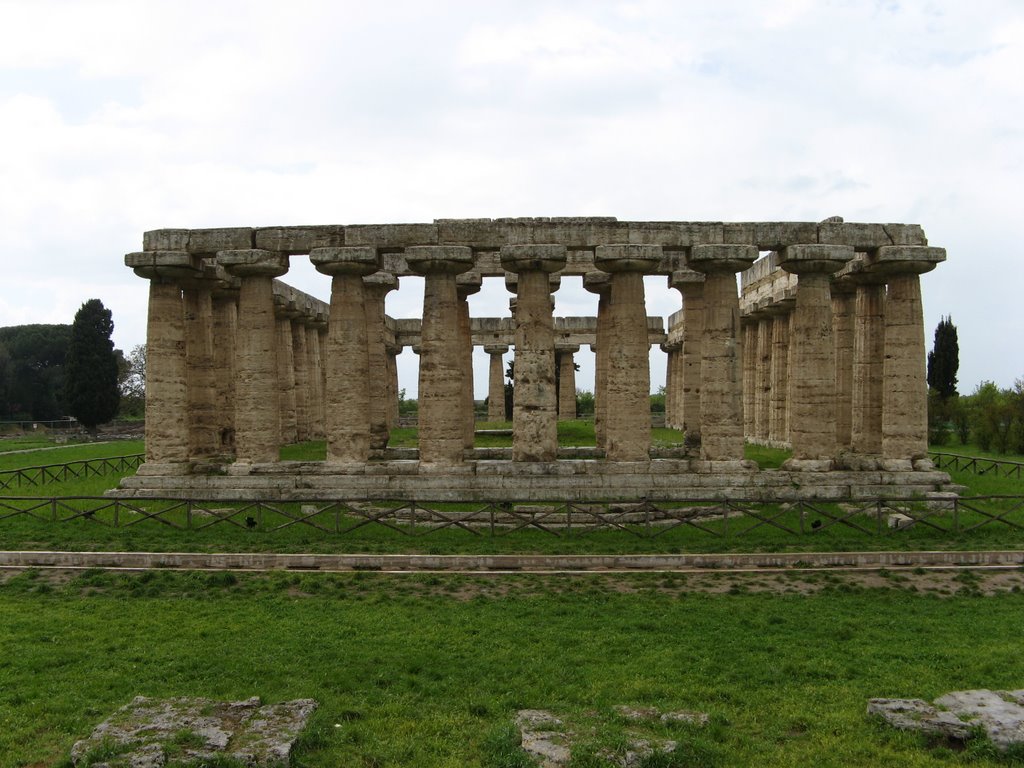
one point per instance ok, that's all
(439, 259)
(512, 282)
(683, 277)
(359, 260)
(253, 262)
(382, 282)
(814, 258)
(597, 282)
(163, 265)
(671, 346)
(572, 349)
(468, 283)
(394, 349)
(495, 349)
(627, 258)
(533, 258)
(721, 258)
(907, 259)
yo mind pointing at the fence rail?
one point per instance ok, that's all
(977, 465)
(724, 520)
(56, 473)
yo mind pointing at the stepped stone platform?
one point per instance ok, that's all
(562, 480)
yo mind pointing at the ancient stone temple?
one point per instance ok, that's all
(817, 346)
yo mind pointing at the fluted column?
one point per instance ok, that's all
(690, 284)
(466, 285)
(721, 395)
(441, 425)
(315, 328)
(813, 420)
(600, 283)
(905, 388)
(496, 382)
(376, 288)
(534, 418)
(763, 379)
(671, 351)
(257, 430)
(225, 319)
(300, 358)
(202, 392)
(749, 330)
(347, 392)
(628, 429)
(842, 331)
(566, 381)
(284, 311)
(779, 372)
(393, 351)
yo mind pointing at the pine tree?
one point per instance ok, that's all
(944, 360)
(92, 386)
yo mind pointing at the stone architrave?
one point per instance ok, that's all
(376, 288)
(843, 292)
(225, 322)
(566, 380)
(628, 428)
(721, 393)
(466, 285)
(779, 372)
(441, 424)
(600, 283)
(535, 415)
(284, 311)
(347, 390)
(763, 395)
(300, 357)
(257, 429)
(905, 387)
(749, 330)
(813, 395)
(202, 391)
(167, 427)
(496, 382)
(690, 285)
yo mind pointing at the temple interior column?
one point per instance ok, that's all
(315, 329)
(690, 284)
(346, 359)
(257, 430)
(393, 351)
(628, 414)
(600, 283)
(749, 331)
(225, 318)
(671, 351)
(441, 424)
(842, 328)
(284, 311)
(466, 284)
(567, 381)
(779, 372)
(300, 357)
(721, 394)
(813, 404)
(496, 382)
(534, 417)
(376, 288)
(763, 382)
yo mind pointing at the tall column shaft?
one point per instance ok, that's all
(202, 393)
(256, 391)
(315, 393)
(779, 378)
(905, 388)
(225, 317)
(300, 358)
(466, 285)
(691, 357)
(868, 360)
(749, 376)
(496, 383)
(566, 384)
(167, 428)
(842, 328)
(286, 380)
(376, 287)
(600, 283)
(763, 379)
(393, 390)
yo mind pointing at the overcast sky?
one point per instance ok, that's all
(119, 117)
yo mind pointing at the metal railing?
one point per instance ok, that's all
(70, 470)
(978, 465)
(726, 520)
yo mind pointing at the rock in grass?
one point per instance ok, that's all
(147, 733)
(958, 715)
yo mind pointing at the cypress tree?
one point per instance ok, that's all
(92, 391)
(944, 360)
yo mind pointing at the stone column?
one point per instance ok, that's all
(905, 388)
(534, 418)
(284, 311)
(690, 284)
(671, 351)
(813, 397)
(842, 331)
(749, 329)
(566, 381)
(257, 430)
(721, 395)
(317, 415)
(300, 357)
(225, 319)
(393, 351)
(347, 389)
(600, 283)
(202, 393)
(441, 425)
(466, 285)
(496, 382)
(167, 429)
(628, 414)
(763, 382)
(779, 372)
(376, 288)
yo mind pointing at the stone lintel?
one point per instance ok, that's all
(868, 237)
(390, 236)
(250, 262)
(674, 235)
(810, 258)
(535, 257)
(211, 241)
(348, 260)
(627, 258)
(722, 258)
(439, 259)
(165, 240)
(770, 235)
(901, 259)
(293, 240)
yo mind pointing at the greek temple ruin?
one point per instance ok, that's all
(818, 346)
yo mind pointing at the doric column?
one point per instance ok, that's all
(628, 415)
(671, 350)
(496, 382)
(868, 361)
(813, 422)
(167, 427)
(300, 357)
(763, 379)
(441, 426)
(566, 380)
(347, 389)
(721, 394)
(779, 371)
(466, 285)
(905, 388)
(315, 328)
(843, 292)
(257, 430)
(225, 320)
(376, 287)
(600, 283)
(284, 311)
(534, 418)
(202, 389)
(690, 284)
(393, 351)
(749, 329)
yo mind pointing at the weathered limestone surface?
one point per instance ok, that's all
(496, 382)
(288, 420)
(534, 419)
(393, 389)
(566, 381)
(300, 356)
(600, 283)
(843, 298)
(763, 380)
(868, 364)
(690, 284)
(347, 393)
(777, 429)
(466, 285)
(749, 331)
(376, 288)
(956, 715)
(225, 321)
(167, 438)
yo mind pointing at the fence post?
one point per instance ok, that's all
(956, 515)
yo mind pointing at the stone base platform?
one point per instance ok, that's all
(563, 480)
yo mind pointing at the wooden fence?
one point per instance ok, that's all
(56, 473)
(978, 466)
